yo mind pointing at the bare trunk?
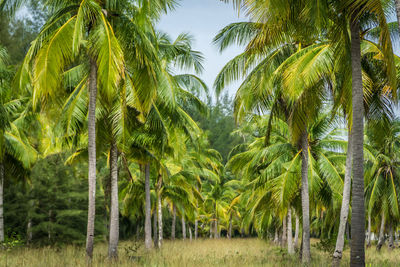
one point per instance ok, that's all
(216, 228)
(357, 253)
(211, 228)
(296, 232)
(183, 227)
(114, 212)
(230, 227)
(48, 227)
(344, 211)
(147, 220)
(369, 231)
(2, 174)
(391, 240)
(305, 202)
(397, 3)
(284, 232)
(190, 233)
(196, 229)
(137, 232)
(29, 232)
(289, 232)
(276, 237)
(155, 233)
(381, 239)
(92, 158)
(173, 222)
(160, 224)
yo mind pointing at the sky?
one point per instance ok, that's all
(204, 19)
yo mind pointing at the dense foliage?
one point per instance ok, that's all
(104, 134)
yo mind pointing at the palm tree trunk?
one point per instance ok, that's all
(289, 232)
(284, 232)
(305, 202)
(160, 224)
(381, 239)
(2, 174)
(369, 231)
(276, 237)
(211, 228)
(190, 233)
(183, 227)
(147, 220)
(230, 227)
(173, 222)
(357, 253)
(155, 234)
(196, 229)
(391, 241)
(114, 212)
(397, 3)
(92, 158)
(344, 211)
(296, 232)
(216, 228)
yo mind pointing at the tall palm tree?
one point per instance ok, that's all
(14, 118)
(102, 31)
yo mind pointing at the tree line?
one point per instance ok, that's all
(316, 146)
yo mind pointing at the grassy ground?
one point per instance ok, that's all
(222, 252)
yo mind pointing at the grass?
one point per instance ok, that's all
(209, 252)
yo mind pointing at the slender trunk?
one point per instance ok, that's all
(29, 232)
(160, 224)
(147, 219)
(305, 202)
(183, 227)
(381, 239)
(242, 232)
(48, 227)
(344, 211)
(369, 231)
(357, 253)
(155, 234)
(190, 233)
(397, 3)
(296, 232)
(284, 232)
(1, 202)
(92, 158)
(137, 232)
(173, 222)
(196, 229)
(216, 228)
(289, 232)
(114, 212)
(230, 227)
(276, 236)
(211, 228)
(391, 240)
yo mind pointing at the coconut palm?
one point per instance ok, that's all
(14, 120)
(102, 32)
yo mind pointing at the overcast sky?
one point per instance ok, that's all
(203, 19)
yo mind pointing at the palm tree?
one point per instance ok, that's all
(107, 51)
(13, 126)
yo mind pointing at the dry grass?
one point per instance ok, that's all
(222, 252)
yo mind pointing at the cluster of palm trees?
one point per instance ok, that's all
(99, 80)
(101, 75)
(303, 58)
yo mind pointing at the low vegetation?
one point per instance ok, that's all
(205, 252)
